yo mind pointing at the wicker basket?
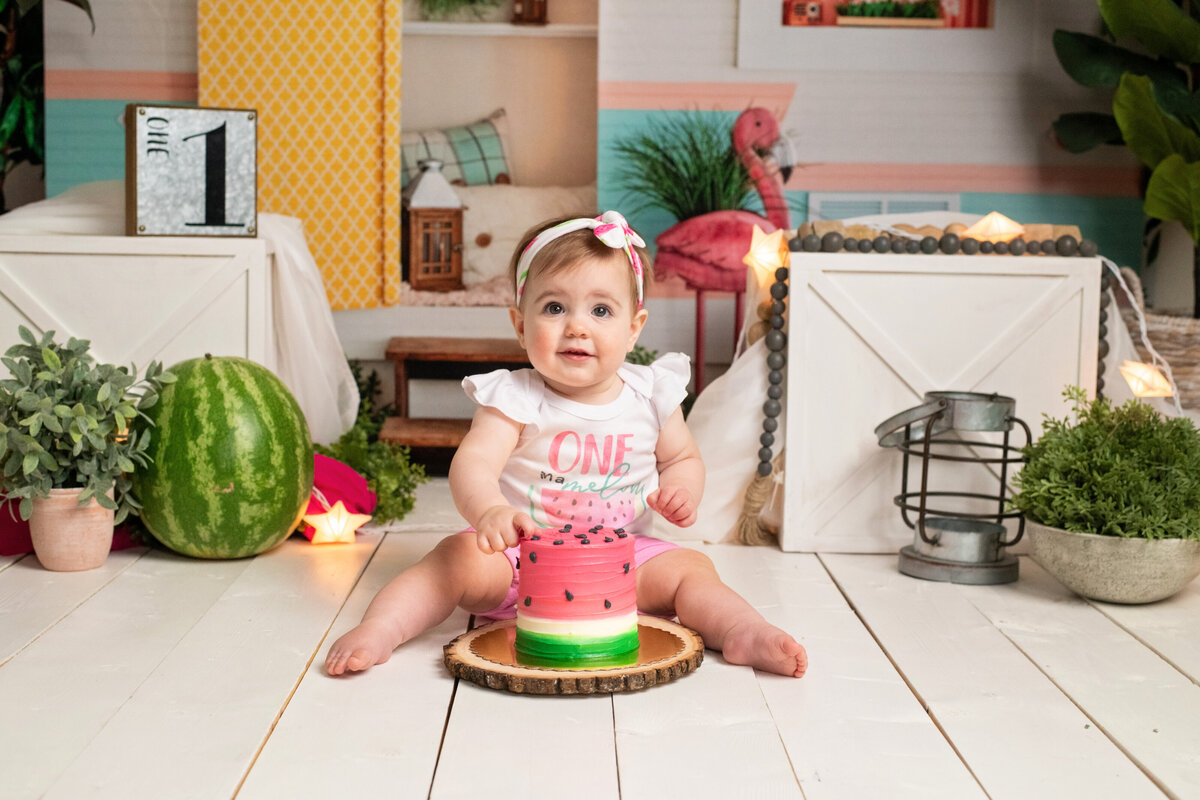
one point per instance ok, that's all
(1177, 339)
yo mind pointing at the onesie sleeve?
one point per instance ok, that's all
(512, 393)
(671, 373)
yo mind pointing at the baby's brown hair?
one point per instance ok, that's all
(572, 248)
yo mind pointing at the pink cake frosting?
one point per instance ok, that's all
(576, 596)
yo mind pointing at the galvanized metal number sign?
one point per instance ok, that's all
(190, 171)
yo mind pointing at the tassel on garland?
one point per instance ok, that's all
(749, 529)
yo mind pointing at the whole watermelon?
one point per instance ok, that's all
(231, 460)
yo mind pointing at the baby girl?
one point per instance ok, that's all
(581, 427)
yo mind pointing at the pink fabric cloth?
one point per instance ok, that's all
(644, 549)
(338, 481)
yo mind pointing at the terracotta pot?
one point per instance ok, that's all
(1112, 568)
(68, 537)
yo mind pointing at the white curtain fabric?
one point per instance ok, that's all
(309, 356)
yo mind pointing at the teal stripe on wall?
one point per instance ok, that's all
(1113, 223)
(85, 141)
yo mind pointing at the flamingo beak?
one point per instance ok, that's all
(784, 155)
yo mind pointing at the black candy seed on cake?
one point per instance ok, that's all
(585, 541)
(566, 528)
(535, 537)
(558, 541)
(517, 563)
(622, 535)
(619, 531)
(607, 604)
(533, 558)
(528, 600)
(570, 596)
(626, 567)
(581, 536)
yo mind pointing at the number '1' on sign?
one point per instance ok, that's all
(190, 171)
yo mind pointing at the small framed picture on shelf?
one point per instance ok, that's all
(191, 171)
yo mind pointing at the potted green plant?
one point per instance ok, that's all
(1112, 500)
(1155, 110)
(456, 10)
(68, 452)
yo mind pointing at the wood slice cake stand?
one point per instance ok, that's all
(486, 656)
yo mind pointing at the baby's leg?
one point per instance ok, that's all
(455, 573)
(685, 583)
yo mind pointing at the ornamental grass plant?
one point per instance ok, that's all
(65, 423)
(1116, 471)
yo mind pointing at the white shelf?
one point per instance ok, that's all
(562, 31)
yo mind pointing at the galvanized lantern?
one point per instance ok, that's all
(956, 544)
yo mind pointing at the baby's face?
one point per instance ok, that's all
(577, 325)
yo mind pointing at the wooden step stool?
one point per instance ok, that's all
(406, 352)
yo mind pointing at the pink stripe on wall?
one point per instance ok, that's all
(101, 84)
(656, 96)
(999, 178)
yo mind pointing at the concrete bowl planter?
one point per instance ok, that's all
(1112, 568)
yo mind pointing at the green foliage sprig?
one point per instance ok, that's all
(683, 164)
(64, 422)
(920, 9)
(389, 472)
(443, 9)
(1124, 471)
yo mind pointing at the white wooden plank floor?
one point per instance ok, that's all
(159, 676)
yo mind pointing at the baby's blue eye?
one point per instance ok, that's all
(602, 311)
(553, 308)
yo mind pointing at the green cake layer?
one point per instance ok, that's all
(587, 652)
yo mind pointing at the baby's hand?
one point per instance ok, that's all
(674, 503)
(500, 528)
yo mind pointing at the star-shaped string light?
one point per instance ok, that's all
(768, 252)
(336, 524)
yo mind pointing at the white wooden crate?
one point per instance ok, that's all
(138, 299)
(869, 335)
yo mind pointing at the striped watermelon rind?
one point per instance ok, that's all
(231, 460)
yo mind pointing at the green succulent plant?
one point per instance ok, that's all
(64, 422)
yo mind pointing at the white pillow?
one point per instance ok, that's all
(495, 218)
(89, 209)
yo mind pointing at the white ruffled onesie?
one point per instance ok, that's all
(584, 464)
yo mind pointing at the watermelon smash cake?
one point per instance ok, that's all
(577, 599)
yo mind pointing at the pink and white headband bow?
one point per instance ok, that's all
(610, 228)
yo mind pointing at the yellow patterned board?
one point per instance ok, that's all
(324, 76)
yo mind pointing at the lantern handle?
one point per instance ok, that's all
(1004, 473)
(892, 431)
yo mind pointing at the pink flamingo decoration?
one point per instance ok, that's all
(707, 251)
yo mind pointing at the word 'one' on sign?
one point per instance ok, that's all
(190, 171)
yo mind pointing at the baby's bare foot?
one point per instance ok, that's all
(365, 646)
(763, 646)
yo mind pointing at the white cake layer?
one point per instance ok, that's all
(608, 626)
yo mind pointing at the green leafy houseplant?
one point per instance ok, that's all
(389, 472)
(1156, 105)
(64, 422)
(1120, 471)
